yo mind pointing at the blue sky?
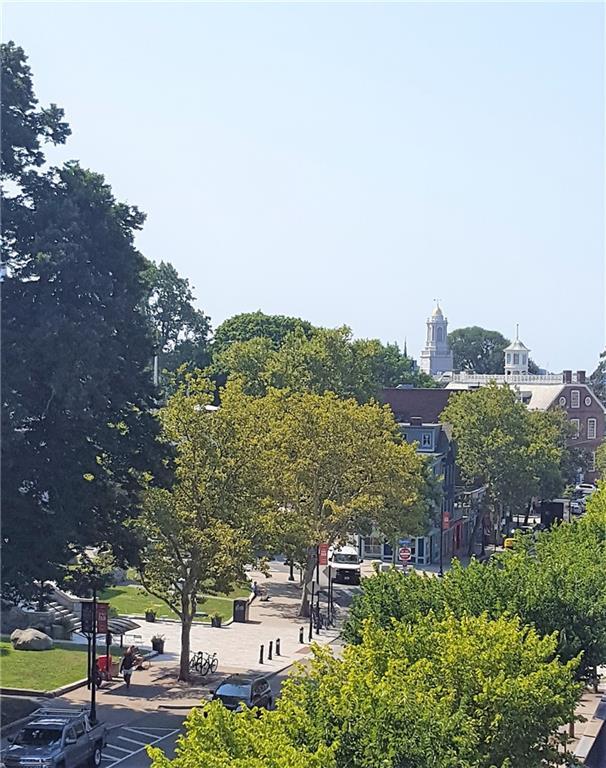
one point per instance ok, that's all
(347, 163)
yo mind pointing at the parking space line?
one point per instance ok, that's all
(143, 733)
(121, 749)
(143, 748)
(133, 741)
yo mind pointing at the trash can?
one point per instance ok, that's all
(241, 610)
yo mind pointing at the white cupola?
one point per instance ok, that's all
(516, 358)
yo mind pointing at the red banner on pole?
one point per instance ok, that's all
(323, 554)
(102, 618)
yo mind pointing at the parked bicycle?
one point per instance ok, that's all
(203, 662)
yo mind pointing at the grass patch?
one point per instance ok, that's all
(41, 670)
(133, 600)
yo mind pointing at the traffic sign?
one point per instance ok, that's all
(102, 618)
(404, 553)
(323, 554)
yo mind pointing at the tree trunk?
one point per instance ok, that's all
(291, 565)
(308, 577)
(186, 622)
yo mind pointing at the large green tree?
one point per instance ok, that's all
(254, 325)
(77, 393)
(328, 360)
(201, 532)
(339, 467)
(466, 692)
(553, 581)
(515, 453)
(180, 330)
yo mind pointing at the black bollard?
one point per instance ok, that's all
(270, 652)
(261, 654)
(278, 647)
(301, 631)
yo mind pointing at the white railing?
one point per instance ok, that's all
(468, 377)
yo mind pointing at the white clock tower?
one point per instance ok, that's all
(436, 358)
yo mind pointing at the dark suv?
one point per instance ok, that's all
(248, 689)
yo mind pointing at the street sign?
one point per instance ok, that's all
(102, 618)
(87, 617)
(446, 519)
(323, 554)
(404, 554)
(404, 543)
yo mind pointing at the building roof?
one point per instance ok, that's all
(542, 396)
(437, 312)
(424, 403)
(517, 346)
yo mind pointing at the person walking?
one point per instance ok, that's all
(127, 665)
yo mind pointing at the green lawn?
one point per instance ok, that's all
(41, 670)
(132, 600)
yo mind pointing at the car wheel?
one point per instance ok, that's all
(95, 759)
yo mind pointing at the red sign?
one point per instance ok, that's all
(102, 618)
(404, 554)
(446, 519)
(323, 554)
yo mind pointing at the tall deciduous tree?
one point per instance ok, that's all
(201, 533)
(500, 444)
(254, 325)
(181, 331)
(76, 352)
(328, 360)
(340, 467)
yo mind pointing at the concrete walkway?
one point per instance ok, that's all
(237, 645)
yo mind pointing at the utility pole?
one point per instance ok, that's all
(93, 687)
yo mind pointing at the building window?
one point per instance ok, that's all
(588, 401)
(509, 358)
(439, 335)
(562, 402)
(516, 358)
(576, 427)
(592, 462)
(575, 399)
(591, 429)
(426, 440)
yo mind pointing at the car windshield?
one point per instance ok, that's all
(39, 737)
(340, 557)
(234, 691)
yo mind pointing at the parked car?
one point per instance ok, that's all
(56, 738)
(586, 488)
(249, 690)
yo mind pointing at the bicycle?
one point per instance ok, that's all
(204, 663)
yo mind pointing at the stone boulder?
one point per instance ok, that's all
(31, 640)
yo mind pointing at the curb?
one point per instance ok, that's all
(176, 621)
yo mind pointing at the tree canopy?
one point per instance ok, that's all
(327, 360)
(514, 452)
(255, 325)
(76, 352)
(552, 580)
(180, 331)
(466, 692)
(201, 532)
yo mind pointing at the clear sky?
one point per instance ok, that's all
(347, 163)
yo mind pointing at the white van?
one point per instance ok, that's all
(345, 564)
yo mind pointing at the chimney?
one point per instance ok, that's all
(416, 421)
(580, 377)
(567, 377)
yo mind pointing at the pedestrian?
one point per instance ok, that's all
(255, 588)
(127, 665)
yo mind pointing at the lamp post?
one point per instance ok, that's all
(93, 687)
(441, 542)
